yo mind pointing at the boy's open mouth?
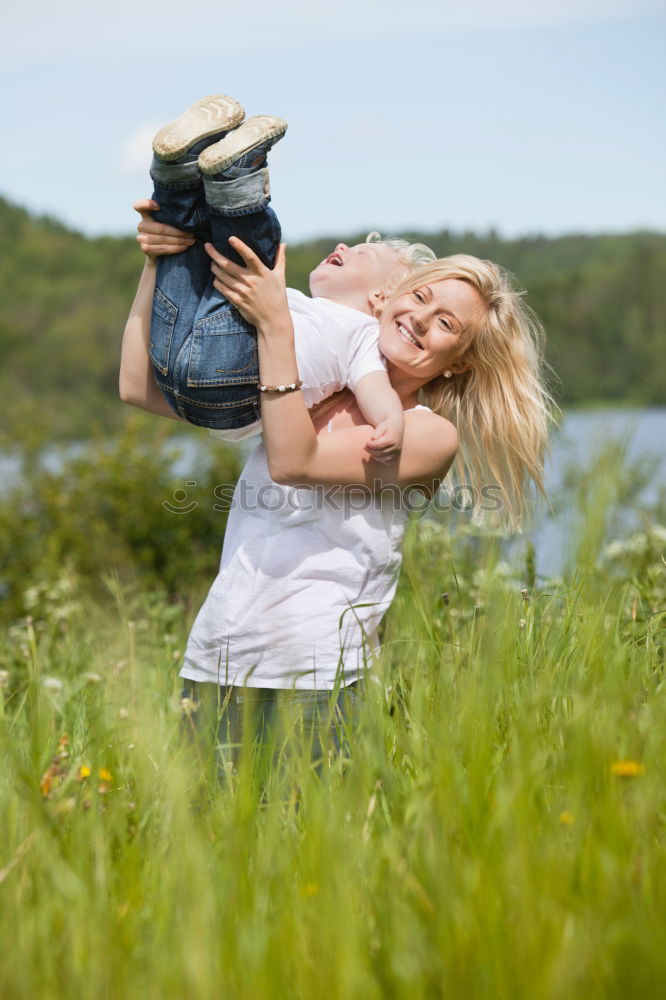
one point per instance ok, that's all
(335, 259)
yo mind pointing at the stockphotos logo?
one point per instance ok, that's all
(271, 497)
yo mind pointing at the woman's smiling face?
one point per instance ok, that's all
(425, 331)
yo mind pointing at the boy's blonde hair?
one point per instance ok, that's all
(501, 406)
(412, 255)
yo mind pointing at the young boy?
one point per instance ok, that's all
(211, 180)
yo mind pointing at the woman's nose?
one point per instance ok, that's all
(341, 246)
(417, 322)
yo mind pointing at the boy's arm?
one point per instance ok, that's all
(380, 405)
(136, 383)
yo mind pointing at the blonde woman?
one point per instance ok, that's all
(312, 549)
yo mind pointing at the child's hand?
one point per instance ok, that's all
(386, 442)
(156, 239)
(259, 293)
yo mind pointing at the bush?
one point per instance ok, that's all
(115, 506)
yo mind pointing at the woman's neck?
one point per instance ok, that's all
(407, 386)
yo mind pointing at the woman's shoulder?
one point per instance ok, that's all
(428, 418)
(432, 432)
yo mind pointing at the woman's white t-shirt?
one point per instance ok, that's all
(305, 579)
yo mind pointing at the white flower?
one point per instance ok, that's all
(52, 684)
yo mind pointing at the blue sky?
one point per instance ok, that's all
(532, 118)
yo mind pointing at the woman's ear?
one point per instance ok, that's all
(460, 367)
(376, 301)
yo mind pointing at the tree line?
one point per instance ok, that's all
(64, 299)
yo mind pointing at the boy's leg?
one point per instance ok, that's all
(237, 189)
(217, 372)
(182, 278)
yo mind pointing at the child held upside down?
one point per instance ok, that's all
(211, 183)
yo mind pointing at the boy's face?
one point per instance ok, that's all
(350, 275)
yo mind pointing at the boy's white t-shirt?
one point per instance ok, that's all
(335, 347)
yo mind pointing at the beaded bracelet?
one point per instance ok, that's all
(289, 387)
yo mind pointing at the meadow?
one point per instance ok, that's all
(494, 827)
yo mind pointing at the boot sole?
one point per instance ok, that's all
(252, 133)
(215, 113)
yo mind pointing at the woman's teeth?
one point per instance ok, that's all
(406, 335)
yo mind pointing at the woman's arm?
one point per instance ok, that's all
(136, 383)
(296, 454)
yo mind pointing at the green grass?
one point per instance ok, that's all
(476, 842)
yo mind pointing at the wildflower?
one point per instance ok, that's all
(522, 623)
(567, 817)
(51, 777)
(83, 773)
(52, 684)
(123, 713)
(105, 775)
(627, 768)
(92, 678)
(4, 678)
(310, 889)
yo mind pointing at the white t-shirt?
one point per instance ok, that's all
(335, 347)
(305, 578)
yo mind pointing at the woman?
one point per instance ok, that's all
(307, 573)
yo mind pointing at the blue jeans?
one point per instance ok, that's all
(223, 723)
(203, 353)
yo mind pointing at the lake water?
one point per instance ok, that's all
(581, 436)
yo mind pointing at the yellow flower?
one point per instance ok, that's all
(104, 774)
(627, 768)
(84, 772)
(310, 889)
(567, 817)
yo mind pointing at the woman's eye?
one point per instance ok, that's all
(445, 323)
(419, 296)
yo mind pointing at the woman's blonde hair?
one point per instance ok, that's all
(500, 406)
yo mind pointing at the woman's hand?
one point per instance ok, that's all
(156, 239)
(259, 294)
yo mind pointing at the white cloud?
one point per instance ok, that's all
(136, 149)
(83, 30)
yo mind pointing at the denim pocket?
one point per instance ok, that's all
(223, 351)
(163, 321)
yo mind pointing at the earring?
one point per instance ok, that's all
(448, 373)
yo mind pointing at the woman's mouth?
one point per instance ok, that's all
(408, 336)
(335, 259)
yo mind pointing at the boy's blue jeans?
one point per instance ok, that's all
(204, 354)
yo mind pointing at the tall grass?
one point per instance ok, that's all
(497, 828)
